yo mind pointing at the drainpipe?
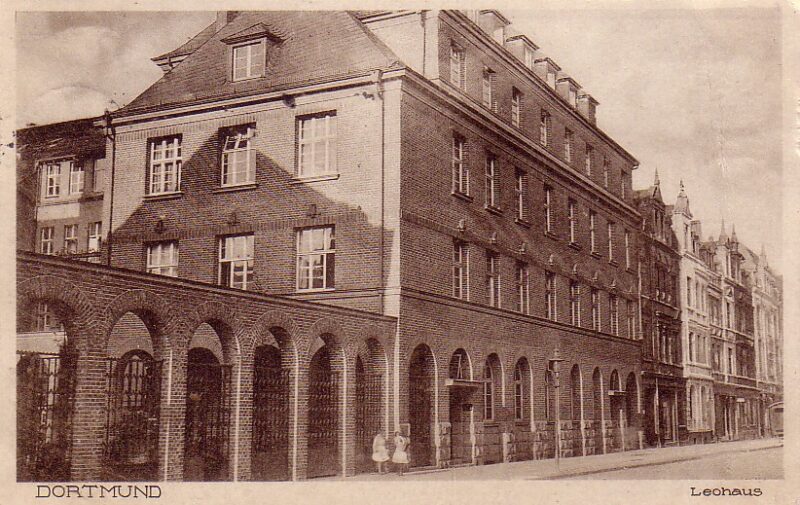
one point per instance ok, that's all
(112, 136)
(379, 96)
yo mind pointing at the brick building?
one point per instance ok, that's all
(432, 170)
(663, 384)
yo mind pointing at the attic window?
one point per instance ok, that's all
(249, 60)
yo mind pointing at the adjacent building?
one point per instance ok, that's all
(663, 384)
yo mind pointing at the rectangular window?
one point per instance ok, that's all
(613, 311)
(249, 61)
(493, 278)
(548, 209)
(575, 303)
(606, 172)
(460, 270)
(76, 179)
(236, 261)
(460, 169)
(573, 221)
(316, 145)
(592, 231)
(523, 288)
(316, 255)
(550, 296)
(516, 104)
(622, 184)
(595, 310)
(93, 239)
(632, 319)
(487, 87)
(688, 291)
(627, 249)
(71, 238)
(46, 241)
(521, 195)
(162, 259)
(588, 159)
(492, 182)
(52, 176)
(457, 67)
(544, 128)
(165, 165)
(568, 138)
(238, 164)
(610, 241)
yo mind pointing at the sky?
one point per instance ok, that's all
(695, 93)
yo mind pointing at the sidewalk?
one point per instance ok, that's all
(572, 467)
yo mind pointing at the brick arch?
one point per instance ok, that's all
(360, 344)
(225, 322)
(81, 316)
(256, 334)
(331, 332)
(159, 316)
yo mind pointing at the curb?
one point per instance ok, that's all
(647, 464)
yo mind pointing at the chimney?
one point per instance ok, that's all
(224, 17)
(587, 106)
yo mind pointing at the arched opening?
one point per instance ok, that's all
(134, 400)
(421, 373)
(270, 435)
(46, 371)
(324, 382)
(575, 407)
(522, 409)
(597, 410)
(493, 411)
(617, 408)
(208, 407)
(461, 390)
(631, 411)
(370, 408)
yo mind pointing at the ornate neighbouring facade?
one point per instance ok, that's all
(664, 392)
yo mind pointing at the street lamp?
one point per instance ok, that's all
(553, 364)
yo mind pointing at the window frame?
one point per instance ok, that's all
(592, 231)
(516, 107)
(50, 240)
(166, 143)
(77, 178)
(174, 257)
(613, 313)
(551, 296)
(460, 270)
(329, 140)
(588, 160)
(610, 225)
(458, 57)
(70, 239)
(328, 254)
(573, 220)
(52, 181)
(597, 320)
(569, 137)
(493, 265)
(488, 392)
(523, 287)
(520, 194)
(248, 276)
(250, 74)
(544, 128)
(94, 232)
(488, 95)
(492, 180)
(548, 209)
(627, 249)
(243, 133)
(459, 165)
(575, 303)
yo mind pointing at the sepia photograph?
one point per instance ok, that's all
(381, 247)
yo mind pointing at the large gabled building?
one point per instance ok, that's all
(431, 166)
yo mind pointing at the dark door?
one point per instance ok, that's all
(369, 392)
(207, 417)
(270, 416)
(323, 417)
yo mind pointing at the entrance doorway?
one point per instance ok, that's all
(270, 416)
(420, 405)
(323, 416)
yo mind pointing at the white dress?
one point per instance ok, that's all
(379, 451)
(400, 455)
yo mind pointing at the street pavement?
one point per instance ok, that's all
(728, 460)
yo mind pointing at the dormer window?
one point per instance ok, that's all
(249, 60)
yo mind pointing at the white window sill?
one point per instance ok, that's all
(304, 179)
(235, 187)
(164, 196)
(316, 290)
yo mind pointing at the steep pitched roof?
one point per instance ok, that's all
(192, 44)
(316, 46)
